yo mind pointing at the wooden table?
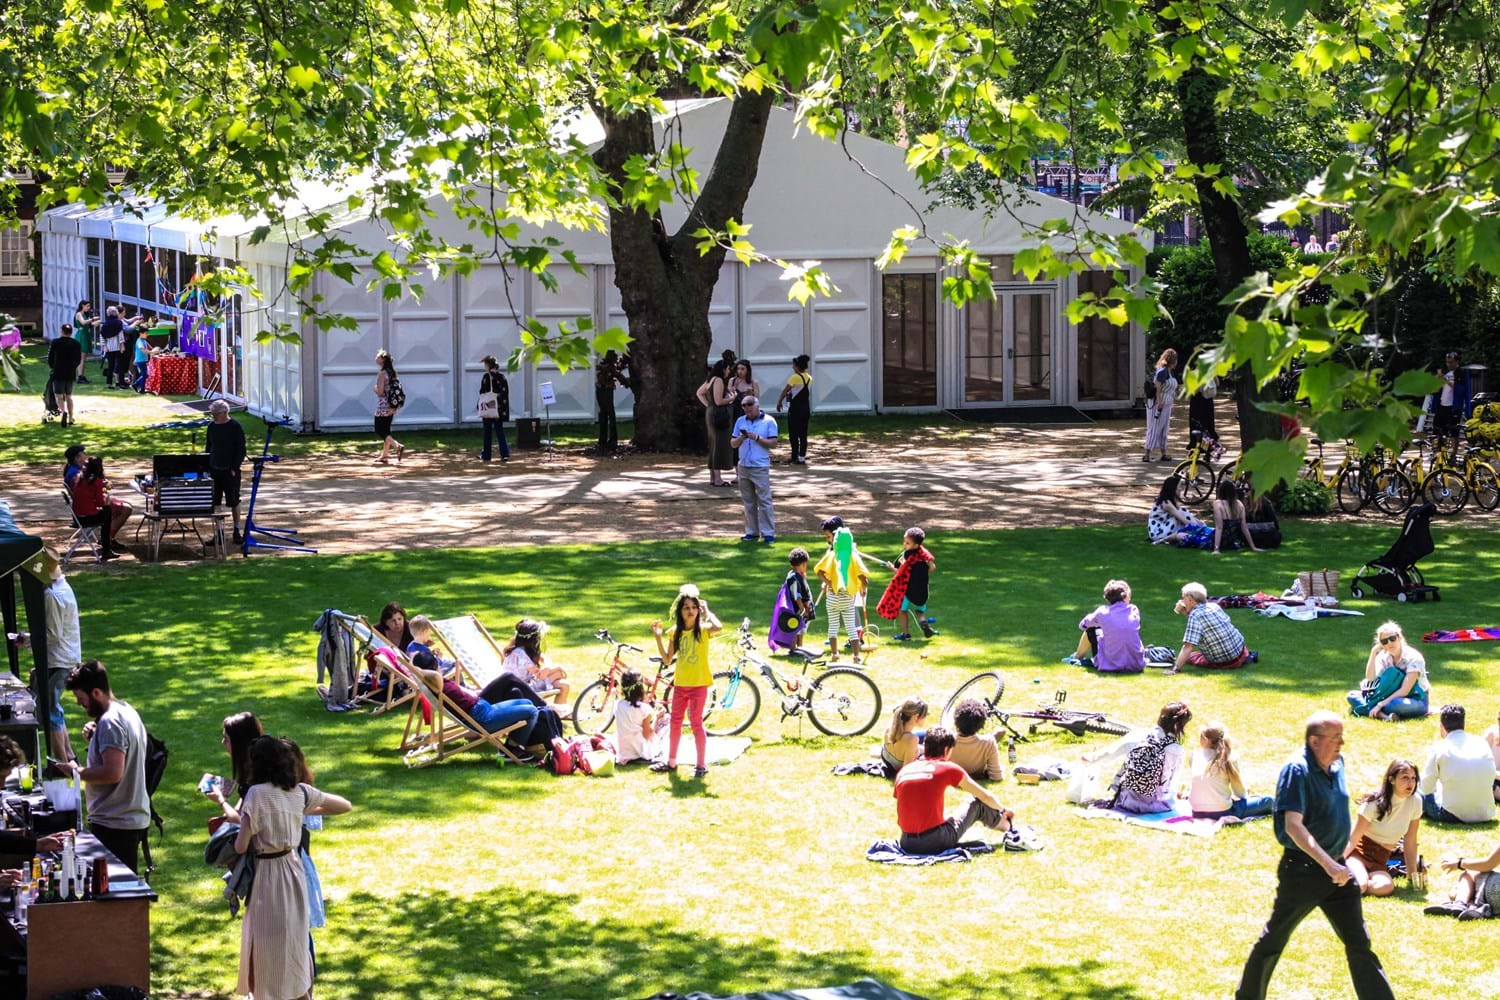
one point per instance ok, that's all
(104, 941)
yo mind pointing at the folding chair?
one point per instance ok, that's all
(470, 645)
(390, 671)
(450, 730)
(83, 534)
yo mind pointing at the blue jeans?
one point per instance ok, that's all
(507, 713)
(1401, 708)
(1431, 810)
(1254, 805)
(496, 428)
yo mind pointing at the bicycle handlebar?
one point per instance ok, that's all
(603, 636)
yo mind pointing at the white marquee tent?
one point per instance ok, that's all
(883, 340)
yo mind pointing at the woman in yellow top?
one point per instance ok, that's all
(796, 391)
(688, 651)
(844, 579)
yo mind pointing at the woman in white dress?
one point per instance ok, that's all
(1159, 410)
(275, 963)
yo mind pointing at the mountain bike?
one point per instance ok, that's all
(988, 688)
(594, 711)
(840, 701)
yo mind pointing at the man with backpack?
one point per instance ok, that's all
(115, 785)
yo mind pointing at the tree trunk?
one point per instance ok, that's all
(665, 285)
(1228, 237)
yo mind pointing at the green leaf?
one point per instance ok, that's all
(1415, 382)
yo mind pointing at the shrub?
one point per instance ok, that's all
(1304, 496)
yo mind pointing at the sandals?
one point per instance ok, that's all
(400, 450)
(662, 767)
(700, 771)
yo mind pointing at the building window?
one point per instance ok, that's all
(1103, 348)
(910, 339)
(114, 173)
(15, 256)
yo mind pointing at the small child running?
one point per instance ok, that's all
(906, 595)
(845, 579)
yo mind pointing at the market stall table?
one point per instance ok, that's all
(61, 942)
(173, 375)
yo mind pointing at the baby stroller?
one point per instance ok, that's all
(50, 410)
(1395, 574)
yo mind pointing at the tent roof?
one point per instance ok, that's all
(18, 549)
(811, 199)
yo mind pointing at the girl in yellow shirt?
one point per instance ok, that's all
(694, 625)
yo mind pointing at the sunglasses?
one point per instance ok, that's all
(746, 406)
(1386, 640)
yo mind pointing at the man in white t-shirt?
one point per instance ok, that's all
(1458, 778)
(754, 434)
(64, 652)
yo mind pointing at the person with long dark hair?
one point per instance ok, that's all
(494, 407)
(392, 626)
(1388, 818)
(718, 418)
(523, 659)
(275, 962)
(693, 626)
(95, 508)
(84, 324)
(798, 391)
(1170, 522)
(389, 398)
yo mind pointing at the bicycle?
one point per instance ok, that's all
(1445, 485)
(594, 710)
(1392, 487)
(1348, 481)
(988, 688)
(840, 701)
(1197, 471)
(1484, 484)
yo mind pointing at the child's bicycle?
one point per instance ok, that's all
(987, 688)
(594, 711)
(840, 701)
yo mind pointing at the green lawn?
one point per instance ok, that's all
(470, 879)
(123, 436)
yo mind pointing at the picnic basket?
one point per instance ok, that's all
(1319, 582)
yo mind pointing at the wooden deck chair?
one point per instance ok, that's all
(450, 730)
(470, 645)
(391, 668)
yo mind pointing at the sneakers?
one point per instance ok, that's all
(750, 538)
(1479, 911)
(700, 771)
(769, 539)
(1452, 908)
(927, 630)
(1021, 838)
(901, 637)
(1254, 657)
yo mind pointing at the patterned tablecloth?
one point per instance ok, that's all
(173, 376)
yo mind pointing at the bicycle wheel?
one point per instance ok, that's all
(1484, 485)
(986, 687)
(843, 702)
(1446, 490)
(1392, 491)
(1197, 481)
(733, 703)
(594, 711)
(1352, 490)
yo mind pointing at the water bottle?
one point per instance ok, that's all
(1011, 752)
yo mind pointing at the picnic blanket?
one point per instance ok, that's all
(1179, 819)
(864, 989)
(1462, 635)
(1300, 612)
(874, 768)
(889, 852)
(719, 750)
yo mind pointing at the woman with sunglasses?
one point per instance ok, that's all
(1395, 685)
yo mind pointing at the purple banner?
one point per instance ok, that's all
(197, 336)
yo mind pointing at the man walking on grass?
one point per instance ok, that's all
(1312, 824)
(754, 433)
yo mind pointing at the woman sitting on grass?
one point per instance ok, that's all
(1111, 639)
(903, 740)
(1146, 781)
(1171, 523)
(1217, 791)
(1387, 819)
(1476, 896)
(1395, 684)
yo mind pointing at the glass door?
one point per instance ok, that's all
(909, 338)
(1008, 349)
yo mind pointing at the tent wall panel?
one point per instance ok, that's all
(346, 358)
(573, 300)
(420, 340)
(841, 339)
(273, 370)
(64, 280)
(489, 323)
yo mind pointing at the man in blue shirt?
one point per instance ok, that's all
(1312, 823)
(753, 435)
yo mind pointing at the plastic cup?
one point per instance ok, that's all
(25, 778)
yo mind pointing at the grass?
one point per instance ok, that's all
(469, 879)
(120, 435)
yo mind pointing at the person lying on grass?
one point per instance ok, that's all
(1476, 895)
(492, 710)
(1111, 636)
(1387, 819)
(919, 791)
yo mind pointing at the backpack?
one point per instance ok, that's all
(395, 396)
(156, 766)
(1150, 388)
(576, 754)
(1144, 765)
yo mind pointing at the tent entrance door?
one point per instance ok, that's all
(1008, 349)
(909, 340)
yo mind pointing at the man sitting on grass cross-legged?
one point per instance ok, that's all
(1210, 638)
(920, 787)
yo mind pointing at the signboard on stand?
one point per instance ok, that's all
(548, 397)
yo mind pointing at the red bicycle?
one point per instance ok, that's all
(594, 711)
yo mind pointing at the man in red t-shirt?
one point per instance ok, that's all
(920, 787)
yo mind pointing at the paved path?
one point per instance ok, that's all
(986, 477)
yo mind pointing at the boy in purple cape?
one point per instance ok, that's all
(794, 605)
